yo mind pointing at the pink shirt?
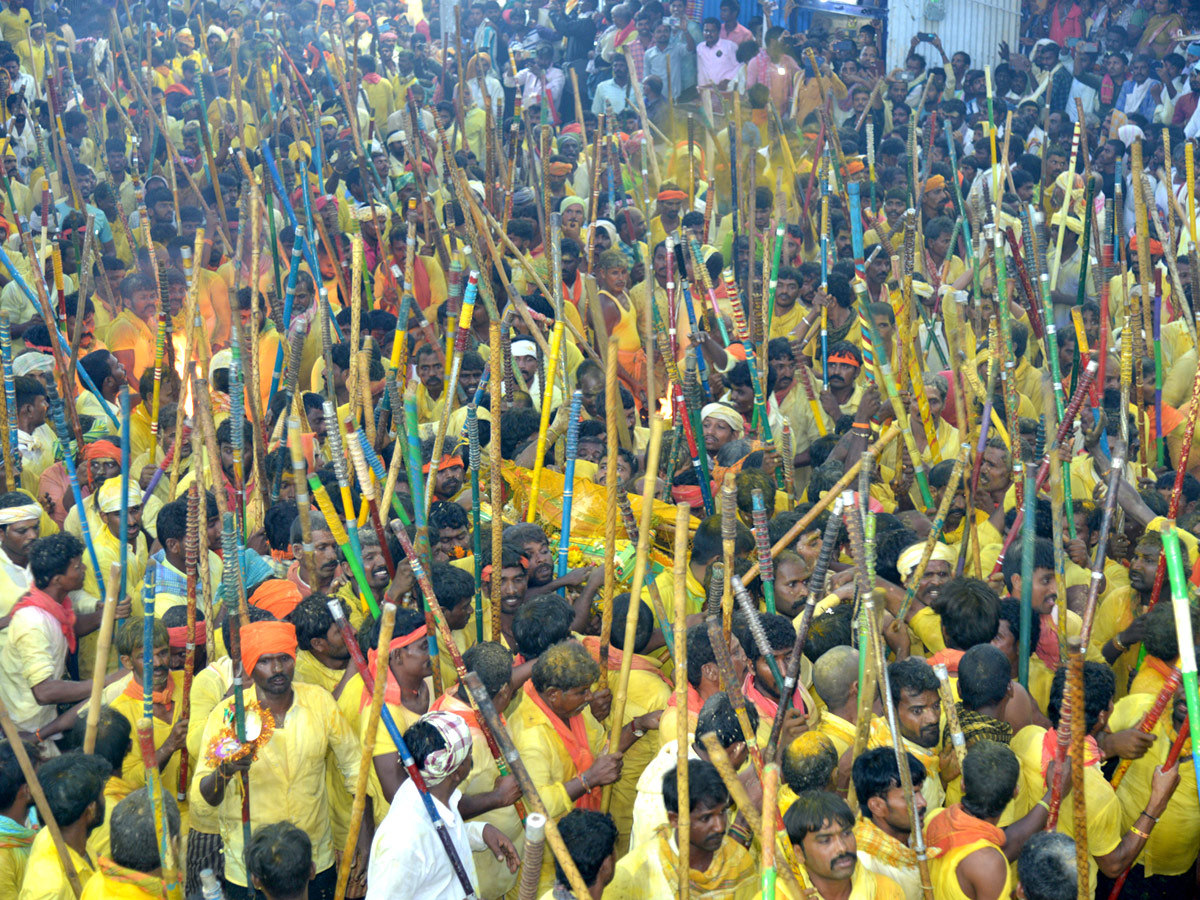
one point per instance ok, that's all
(716, 63)
(738, 34)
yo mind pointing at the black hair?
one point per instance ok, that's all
(1043, 558)
(114, 735)
(28, 389)
(451, 585)
(809, 768)
(699, 652)
(171, 523)
(645, 623)
(590, 838)
(50, 556)
(256, 614)
(1010, 612)
(1099, 688)
(11, 776)
(446, 515)
(829, 630)
(407, 621)
(876, 772)
(717, 717)
(1161, 639)
(811, 811)
(1046, 867)
(706, 790)
(279, 858)
(706, 544)
(492, 662)
(781, 634)
(71, 783)
(1166, 481)
(913, 675)
(984, 675)
(540, 623)
(312, 620)
(132, 829)
(970, 612)
(989, 775)
(566, 665)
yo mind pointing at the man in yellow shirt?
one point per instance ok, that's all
(885, 828)
(591, 840)
(719, 866)
(288, 774)
(1167, 860)
(15, 836)
(560, 739)
(821, 828)
(74, 785)
(835, 681)
(170, 730)
(133, 871)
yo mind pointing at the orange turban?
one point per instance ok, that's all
(1156, 247)
(935, 182)
(101, 450)
(278, 596)
(265, 638)
(558, 168)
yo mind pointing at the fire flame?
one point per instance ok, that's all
(185, 394)
(666, 409)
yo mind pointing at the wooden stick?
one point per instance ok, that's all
(528, 788)
(1078, 749)
(683, 514)
(531, 863)
(635, 595)
(103, 645)
(612, 403)
(39, 798)
(947, 695)
(386, 625)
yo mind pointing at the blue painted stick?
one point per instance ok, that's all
(564, 539)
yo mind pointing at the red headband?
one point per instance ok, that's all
(845, 359)
(672, 195)
(398, 643)
(448, 462)
(178, 636)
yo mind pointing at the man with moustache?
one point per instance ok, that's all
(310, 734)
(883, 832)
(448, 483)
(844, 394)
(323, 658)
(918, 713)
(530, 542)
(374, 567)
(759, 686)
(1044, 597)
(170, 727)
(821, 828)
(514, 582)
(717, 866)
(327, 557)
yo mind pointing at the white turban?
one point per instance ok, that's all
(32, 362)
(907, 562)
(10, 515)
(441, 764)
(726, 414)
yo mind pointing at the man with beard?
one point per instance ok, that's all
(448, 483)
(923, 620)
(291, 768)
(327, 557)
(883, 832)
(821, 828)
(895, 202)
(1044, 598)
(74, 788)
(995, 482)
(918, 712)
(449, 531)
(1115, 841)
(170, 729)
(431, 392)
(703, 680)
(717, 866)
(790, 400)
(514, 582)
(789, 313)
(843, 396)
(170, 561)
(934, 198)
(561, 741)
(530, 542)
(1165, 864)
(1122, 617)
(323, 658)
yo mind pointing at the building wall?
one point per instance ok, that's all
(976, 26)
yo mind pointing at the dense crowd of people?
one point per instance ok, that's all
(364, 361)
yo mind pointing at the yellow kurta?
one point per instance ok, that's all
(864, 885)
(1104, 828)
(1114, 615)
(133, 770)
(116, 789)
(309, 670)
(13, 860)
(290, 769)
(549, 764)
(384, 745)
(44, 875)
(208, 689)
(128, 332)
(1171, 849)
(943, 871)
(640, 875)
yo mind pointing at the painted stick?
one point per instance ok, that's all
(762, 542)
(1115, 475)
(1183, 632)
(300, 480)
(1078, 751)
(564, 541)
(767, 834)
(1150, 718)
(473, 460)
(1024, 638)
(682, 724)
(951, 711)
(64, 438)
(12, 447)
(103, 646)
(612, 403)
(935, 530)
(123, 528)
(172, 887)
(340, 535)
(386, 626)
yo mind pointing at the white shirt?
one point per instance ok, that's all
(649, 811)
(609, 93)
(407, 857)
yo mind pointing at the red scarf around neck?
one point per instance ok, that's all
(955, 827)
(63, 612)
(574, 739)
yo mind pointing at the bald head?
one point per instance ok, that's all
(835, 675)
